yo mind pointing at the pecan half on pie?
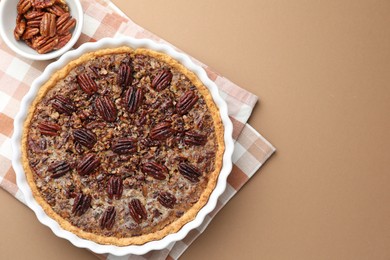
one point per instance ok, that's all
(123, 146)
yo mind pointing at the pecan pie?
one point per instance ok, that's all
(123, 146)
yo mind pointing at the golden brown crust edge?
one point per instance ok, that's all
(174, 226)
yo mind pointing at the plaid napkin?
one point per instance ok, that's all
(104, 19)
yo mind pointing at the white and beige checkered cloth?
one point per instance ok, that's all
(104, 19)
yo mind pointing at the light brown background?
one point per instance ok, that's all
(322, 72)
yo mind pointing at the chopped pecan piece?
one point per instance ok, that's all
(162, 80)
(43, 144)
(23, 6)
(48, 25)
(155, 170)
(161, 131)
(133, 99)
(189, 172)
(115, 187)
(58, 169)
(88, 164)
(81, 204)
(87, 84)
(124, 145)
(195, 138)
(95, 70)
(186, 102)
(137, 211)
(108, 219)
(106, 108)
(42, 3)
(125, 76)
(63, 105)
(166, 199)
(79, 148)
(47, 128)
(148, 142)
(85, 137)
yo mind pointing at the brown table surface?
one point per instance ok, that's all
(322, 72)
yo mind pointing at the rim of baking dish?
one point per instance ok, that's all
(131, 249)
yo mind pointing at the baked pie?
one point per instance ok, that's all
(122, 146)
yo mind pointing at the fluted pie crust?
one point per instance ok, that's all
(175, 222)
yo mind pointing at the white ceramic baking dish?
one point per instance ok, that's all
(133, 249)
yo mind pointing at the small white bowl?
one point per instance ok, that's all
(8, 15)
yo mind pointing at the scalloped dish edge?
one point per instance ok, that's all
(131, 249)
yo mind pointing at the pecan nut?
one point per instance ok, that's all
(58, 169)
(56, 9)
(87, 84)
(133, 99)
(125, 76)
(48, 25)
(29, 43)
(47, 128)
(186, 102)
(166, 199)
(106, 108)
(33, 14)
(190, 172)
(63, 5)
(115, 187)
(161, 131)
(81, 204)
(108, 219)
(137, 211)
(34, 22)
(88, 164)
(85, 137)
(49, 46)
(66, 26)
(162, 80)
(124, 145)
(63, 40)
(39, 41)
(155, 170)
(20, 27)
(17, 36)
(62, 19)
(23, 6)
(44, 44)
(195, 138)
(29, 33)
(42, 3)
(63, 105)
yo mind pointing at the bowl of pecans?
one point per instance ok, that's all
(40, 29)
